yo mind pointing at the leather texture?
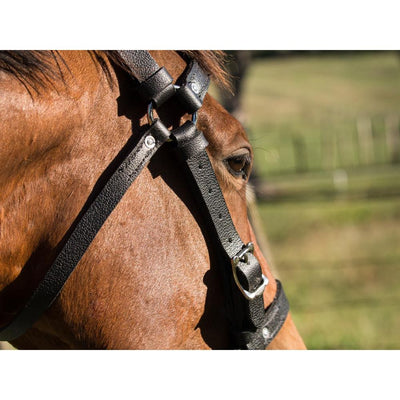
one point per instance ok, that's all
(158, 87)
(141, 64)
(189, 140)
(274, 317)
(194, 76)
(194, 84)
(156, 83)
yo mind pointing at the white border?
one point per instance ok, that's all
(202, 24)
(199, 374)
(199, 25)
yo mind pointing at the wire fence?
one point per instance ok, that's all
(340, 304)
(366, 141)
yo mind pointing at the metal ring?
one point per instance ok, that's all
(151, 119)
(150, 116)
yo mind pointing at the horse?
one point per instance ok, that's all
(149, 278)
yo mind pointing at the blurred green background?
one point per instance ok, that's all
(325, 131)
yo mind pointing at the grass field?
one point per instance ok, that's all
(335, 242)
(317, 102)
(339, 262)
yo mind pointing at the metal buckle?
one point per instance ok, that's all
(242, 256)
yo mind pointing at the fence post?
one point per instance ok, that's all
(392, 138)
(365, 139)
(327, 151)
(300, 154)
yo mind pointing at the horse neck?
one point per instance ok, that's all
(49, 140)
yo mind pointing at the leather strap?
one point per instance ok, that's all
(157, 84)
(140, 63)
(198, 162)
(274, 317)
(193, 88)
(254, 326)
(86, 230)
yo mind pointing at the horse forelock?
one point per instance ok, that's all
(37, 69)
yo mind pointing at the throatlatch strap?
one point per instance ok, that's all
(86, 230)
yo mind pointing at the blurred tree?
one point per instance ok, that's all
(238, 63)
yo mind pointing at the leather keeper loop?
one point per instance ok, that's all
(159, 131)
(274, 317)
(249, 274)
(188, 99)
(158, 88)
(189, 139)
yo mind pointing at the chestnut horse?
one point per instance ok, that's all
(148, 280)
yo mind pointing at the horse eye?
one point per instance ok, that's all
(239, 165)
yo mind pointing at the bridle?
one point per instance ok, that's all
(251, 325)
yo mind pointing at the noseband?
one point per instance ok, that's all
(251, 325)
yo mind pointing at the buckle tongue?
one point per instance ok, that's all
(242, 256)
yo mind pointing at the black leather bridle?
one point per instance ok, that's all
(251, 326)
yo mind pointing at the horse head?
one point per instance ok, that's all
(150, 279)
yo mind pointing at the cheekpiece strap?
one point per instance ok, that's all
(242, 277)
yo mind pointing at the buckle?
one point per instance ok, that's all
(242, 256)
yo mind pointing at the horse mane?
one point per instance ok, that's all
(38, 68)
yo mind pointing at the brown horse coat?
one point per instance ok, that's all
(147, 281)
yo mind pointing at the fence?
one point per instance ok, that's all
(363, 142)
